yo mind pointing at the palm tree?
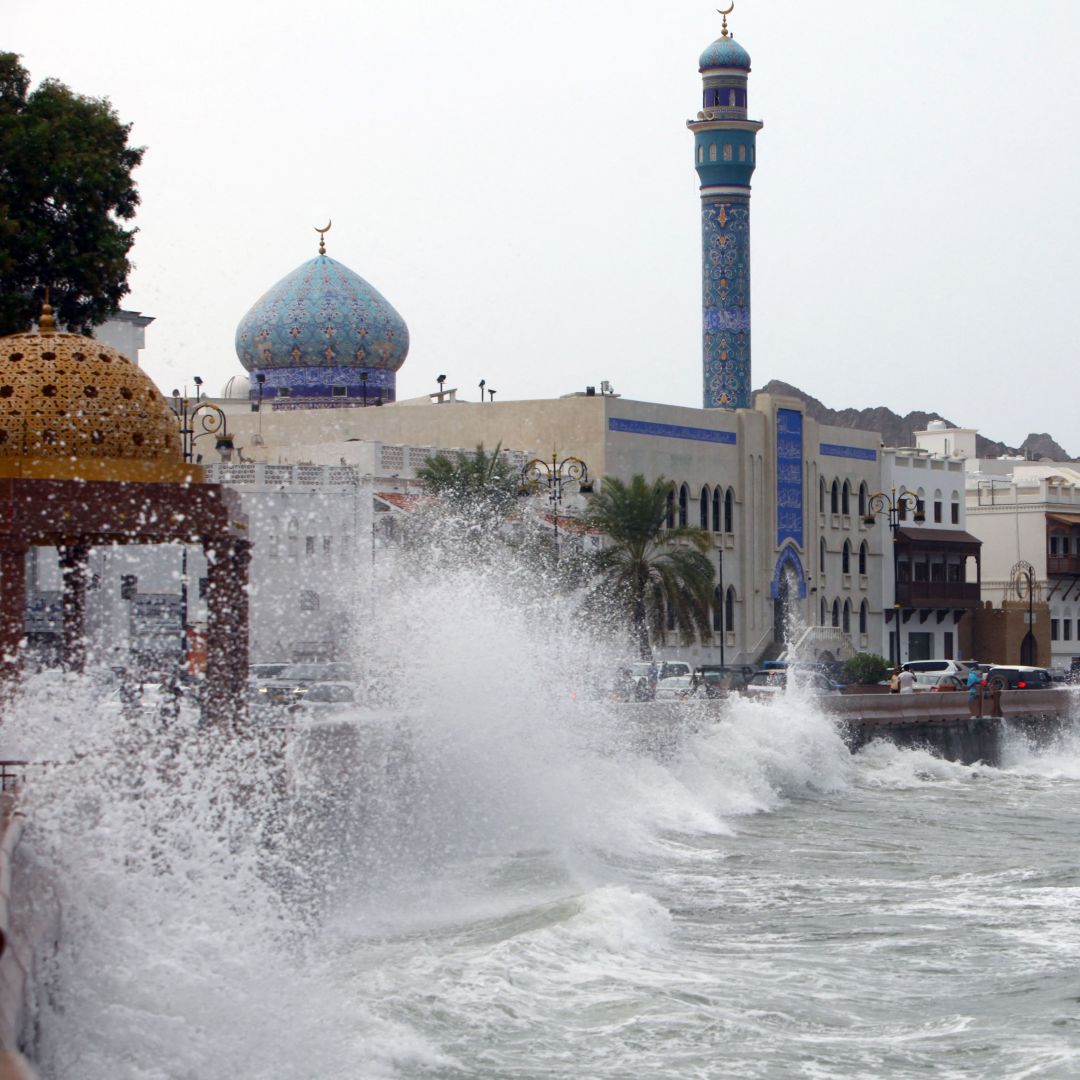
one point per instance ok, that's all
(475, 483)
(652, 573)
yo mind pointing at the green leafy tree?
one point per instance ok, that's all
(648, 570)
(865, 668)
(65, 190)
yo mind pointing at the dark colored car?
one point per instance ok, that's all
(718, 680)
(1017, 677)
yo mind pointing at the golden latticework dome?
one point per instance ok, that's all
(75, 408)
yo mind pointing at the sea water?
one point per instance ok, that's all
(513, 887)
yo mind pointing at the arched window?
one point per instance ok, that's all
(836, 613)
(847, 617)
(821, 495)
(684, 506)
(864, 551)
(902, 505)
(293, 546)
(712, 152)
(864, 610)
(834, 502)
(939, 508)
(954, 509)
(703, 503)
(729, 609)
(701, 154)
(716, 510)
(864, 497)
(845, 558)
(717, 610)
(824, 612)
(821, 556)
(845, 499)
(274, 538)
(670, 518)
(729, 510)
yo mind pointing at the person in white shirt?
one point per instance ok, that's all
(907, 681)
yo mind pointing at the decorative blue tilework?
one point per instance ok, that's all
(320, 382)
(725, 286)
(860, 453)
(724, 52)
(789, 477)
(671, 431)
(322, 315)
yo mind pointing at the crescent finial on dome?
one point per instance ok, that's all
(322, 236)
(724, 13)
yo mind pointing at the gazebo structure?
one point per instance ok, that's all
(90, 455)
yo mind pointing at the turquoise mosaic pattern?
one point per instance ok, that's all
(725, 247)
(671, 431)
(327, 382)
(724, 53)
(789, 477)
(322, 315)
(857, 453)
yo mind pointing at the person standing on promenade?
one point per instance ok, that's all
(974, 689)
(906, 681)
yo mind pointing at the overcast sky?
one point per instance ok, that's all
(517, 179)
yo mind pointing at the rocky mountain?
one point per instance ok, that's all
(899, 430)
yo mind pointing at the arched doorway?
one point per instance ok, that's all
(787, 589)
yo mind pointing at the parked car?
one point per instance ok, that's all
(322, 698)
(676, 688)
(935, 682)
(939, 667)
(293, 682)
(716, 681)
(776, 681)
(1017, 677)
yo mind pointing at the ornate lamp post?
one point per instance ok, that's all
(199, 418)
(895, 507)
(554, 474)
(1023, 582)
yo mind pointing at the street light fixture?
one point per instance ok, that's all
(211, 421)
(895, 507)
(554, 474)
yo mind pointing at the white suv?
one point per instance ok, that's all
(938, 667)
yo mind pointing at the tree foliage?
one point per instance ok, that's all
(865, 668)
(65, 190)
(477, 483)
(648, 570)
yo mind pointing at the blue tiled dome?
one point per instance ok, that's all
(322, 315)
(724, 52)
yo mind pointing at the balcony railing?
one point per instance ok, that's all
(937, 594)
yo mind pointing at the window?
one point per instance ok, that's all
(836, 613)
(821, 496)
(1053, 629)
(729, 510)
(938, 508)
(937, 571)
(340, 391)
(847, 617)
(824, 613)
(294, 538)
(729, 608)
(742, 153)
(902, 505)
(703, 512)
(864, 612)
(1066, 627)
(834, 500)
(954, 509)
(712, 152)
(284, 391)
(309, 600)
(864, 551)
(730, 99)
(717, 610)
(670, 517)
(727, 151)
(845, 558)
(701, 154)
(327, 545)
(309, 545)
(863, 499)
(921, 571)
(845, 499)
(821, 556)
(274, 539)
(716, 510)
(684, 505)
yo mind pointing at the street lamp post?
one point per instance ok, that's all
(554, 474)
(895, 507)
(1023, 577)
(211, 420)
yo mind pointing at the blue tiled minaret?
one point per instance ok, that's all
(724, 156)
